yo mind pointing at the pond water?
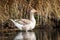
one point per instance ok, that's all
(37, 34)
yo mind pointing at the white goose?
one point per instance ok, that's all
(25, 24)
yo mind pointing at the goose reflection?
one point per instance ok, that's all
(25, 36)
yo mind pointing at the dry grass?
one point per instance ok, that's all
(17, 9)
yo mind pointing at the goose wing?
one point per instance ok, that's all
(23, 21)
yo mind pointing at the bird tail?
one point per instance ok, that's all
(17, 24)
(12, 20)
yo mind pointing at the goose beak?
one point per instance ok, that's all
(36, 11)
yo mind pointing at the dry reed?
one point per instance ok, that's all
(17, 9)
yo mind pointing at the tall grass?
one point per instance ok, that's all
(17, 9)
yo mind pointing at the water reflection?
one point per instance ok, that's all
(38, 34)
(48, 35)
(25, 36)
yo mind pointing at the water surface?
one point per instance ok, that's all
(37, 34)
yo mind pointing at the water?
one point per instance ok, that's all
(37, 34)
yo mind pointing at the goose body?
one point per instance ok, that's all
(25, 24)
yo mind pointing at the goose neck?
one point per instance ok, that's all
(32, 17)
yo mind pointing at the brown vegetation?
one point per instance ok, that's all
(16, 9)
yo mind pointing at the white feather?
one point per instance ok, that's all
(25, 24)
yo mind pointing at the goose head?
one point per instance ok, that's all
(33, 11)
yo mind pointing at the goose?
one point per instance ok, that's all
(26, 24)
